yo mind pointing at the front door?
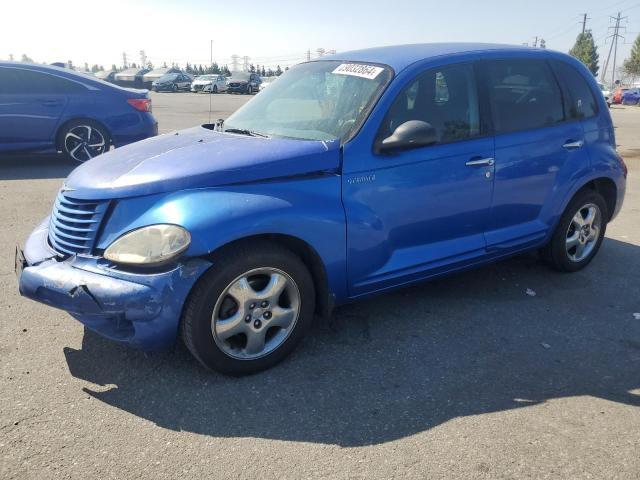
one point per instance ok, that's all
(31, 104)
(414, 213)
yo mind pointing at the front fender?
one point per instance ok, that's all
(307, 208)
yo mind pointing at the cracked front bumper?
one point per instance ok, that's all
(142, 310)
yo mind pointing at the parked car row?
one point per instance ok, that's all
(626, 95)
(239, 82)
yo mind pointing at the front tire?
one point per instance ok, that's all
(579, 233)
(250, 310)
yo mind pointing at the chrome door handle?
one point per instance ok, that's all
(573, 145)
(480, 162)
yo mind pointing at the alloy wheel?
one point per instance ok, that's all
(83, 142)
(256, 313)
(583, 232)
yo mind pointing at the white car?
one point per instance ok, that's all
(606, 93)
(266, 81)
(209, 83)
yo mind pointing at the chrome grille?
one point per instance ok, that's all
(74, 224)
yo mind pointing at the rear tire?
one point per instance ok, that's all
(579, 233)
(250, 310)
(82, 140)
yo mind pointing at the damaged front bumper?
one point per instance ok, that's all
(142, 310)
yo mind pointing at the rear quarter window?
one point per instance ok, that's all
(524, 94)
(583, 104)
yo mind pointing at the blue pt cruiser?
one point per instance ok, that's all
(351, 175)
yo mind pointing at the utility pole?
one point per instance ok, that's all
(584, 22)
(143, 59)
(234, 62)
(245, 59)
(535, 42)
(124, 60)
(613, 48)
(211, 92)
(320, 52)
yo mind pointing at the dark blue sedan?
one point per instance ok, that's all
(49, 109)
(631, 97)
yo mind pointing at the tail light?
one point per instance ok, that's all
(141, 104)
(625, 169)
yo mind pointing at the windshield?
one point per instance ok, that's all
(239, 76)
(168, 77)
(206, 77)
(323, 100)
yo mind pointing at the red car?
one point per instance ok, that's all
(617, 95)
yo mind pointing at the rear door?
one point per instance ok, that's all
(537, 148)
(31, 104)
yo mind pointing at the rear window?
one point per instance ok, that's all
(524, 95)
(582, 102)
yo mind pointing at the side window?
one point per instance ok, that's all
(8, 81)
(446, 98)
(32, 82)
(524, 95)
(583, 103)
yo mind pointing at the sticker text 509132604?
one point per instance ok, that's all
(358, 70)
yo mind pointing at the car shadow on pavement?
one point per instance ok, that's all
(35, 166)
(407, 361)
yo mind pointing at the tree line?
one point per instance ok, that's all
(586, 51)
(193, 69)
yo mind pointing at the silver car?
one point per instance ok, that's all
(209, 83)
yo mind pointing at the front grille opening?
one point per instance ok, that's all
(74, 224)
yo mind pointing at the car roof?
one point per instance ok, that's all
(44, 68)
(399, 57)
(85, 78)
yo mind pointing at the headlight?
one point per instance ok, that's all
(147, 246)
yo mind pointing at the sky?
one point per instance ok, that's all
(281, 32)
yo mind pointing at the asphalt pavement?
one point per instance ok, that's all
(464, 377)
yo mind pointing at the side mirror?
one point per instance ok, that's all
(411, 134)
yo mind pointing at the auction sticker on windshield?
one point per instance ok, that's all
(358, 70)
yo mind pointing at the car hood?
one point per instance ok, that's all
(197, 158)
(236, 80)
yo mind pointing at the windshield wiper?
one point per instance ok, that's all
(244, 131)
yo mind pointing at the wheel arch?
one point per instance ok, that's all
(308, 255)
(606, 187)
(67, 122)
